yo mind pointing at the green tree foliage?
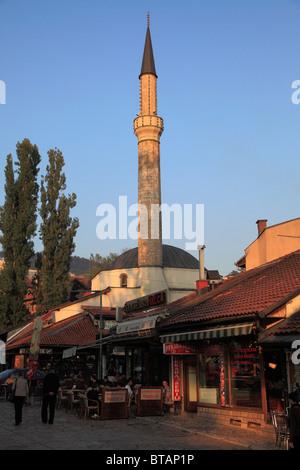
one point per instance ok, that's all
(57, 232)
(18, 227)
(100, 263)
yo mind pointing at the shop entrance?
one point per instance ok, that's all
(190, 383)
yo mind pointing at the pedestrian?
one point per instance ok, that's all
(167, 395)
(50, 389)
(294, 421)
(21, 391)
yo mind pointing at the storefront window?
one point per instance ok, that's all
(211, 375)
(245, 375)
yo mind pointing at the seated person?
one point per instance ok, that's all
(167, 395)
(75, 381)
(9, 383)
(106, 382)
(10, 379)
(128, 387)
(93, 380)
(92, 394)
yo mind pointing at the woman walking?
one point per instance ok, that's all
(21, 391)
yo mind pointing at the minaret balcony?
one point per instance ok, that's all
(148, 120)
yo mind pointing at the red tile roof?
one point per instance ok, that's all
(106, 311)
(289, 326)
(73, 331)
(254, 291)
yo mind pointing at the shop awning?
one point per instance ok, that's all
(212, 333)
(144, 323)
(69, 352)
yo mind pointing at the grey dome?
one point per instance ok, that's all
(173, 257)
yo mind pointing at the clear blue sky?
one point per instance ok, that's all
(225, 70)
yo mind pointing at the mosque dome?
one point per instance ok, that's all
(173, 257)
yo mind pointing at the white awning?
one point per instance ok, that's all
(69, 352)
(144, 323)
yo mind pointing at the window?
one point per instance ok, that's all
(245, 375)
(123, 280)
(211, 375)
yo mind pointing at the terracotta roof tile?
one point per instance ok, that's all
(76, 330)
(248, 293)
(289, 326)
(106, 311)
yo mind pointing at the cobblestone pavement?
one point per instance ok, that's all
(68, 432)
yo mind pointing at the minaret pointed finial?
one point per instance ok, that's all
(148, 65)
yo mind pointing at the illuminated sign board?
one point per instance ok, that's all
(148, 301)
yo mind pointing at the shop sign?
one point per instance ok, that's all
(114, 404)
(149, 401)
(70, 352)
(176, 379)
(150, 394)
(176, 348)
(19, 361)
(115, 396)
(143, 303)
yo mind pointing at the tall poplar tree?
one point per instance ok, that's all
(57, 232)
(18, 227)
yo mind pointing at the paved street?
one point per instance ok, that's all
(168, 432)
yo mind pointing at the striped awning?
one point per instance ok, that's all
(211, 333)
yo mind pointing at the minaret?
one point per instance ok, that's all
(148, 127)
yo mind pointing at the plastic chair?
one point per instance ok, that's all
(71, 401)
(61, 398)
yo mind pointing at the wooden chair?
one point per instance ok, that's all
(129, 403)
(279, 422)
(71, 401)
(85, 407)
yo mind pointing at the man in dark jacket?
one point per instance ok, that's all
(50, 389)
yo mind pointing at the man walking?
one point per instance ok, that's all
(50, 388)
(21, 391)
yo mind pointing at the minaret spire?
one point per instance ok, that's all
(148, 127)
(148, 64)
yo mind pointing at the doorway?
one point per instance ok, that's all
(190, 383)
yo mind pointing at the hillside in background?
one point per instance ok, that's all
(79, 265)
